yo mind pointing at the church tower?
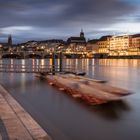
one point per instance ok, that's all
(10, 41)
(82, 34)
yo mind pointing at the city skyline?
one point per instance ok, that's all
(39, 20)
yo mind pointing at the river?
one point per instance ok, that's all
(67, 119)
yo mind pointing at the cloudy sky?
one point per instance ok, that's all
(47, 19)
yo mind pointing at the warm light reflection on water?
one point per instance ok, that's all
(23, 64)
(120, 62)
(68, 119)
(50, 61)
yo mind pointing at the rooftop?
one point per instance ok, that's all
(104, 38)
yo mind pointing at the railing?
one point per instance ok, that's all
(19, 68)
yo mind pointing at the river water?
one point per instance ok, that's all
(67, 119)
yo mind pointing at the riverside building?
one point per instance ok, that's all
(103, 43)
(92, 48)
(119, 45)
(134, 48)
(76, 44)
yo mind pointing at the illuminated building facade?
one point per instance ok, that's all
(76, 44)
(1, 49)
(103, 44)
(134, 48)
(92, 48)
(106, 46)
(119, 45)
(126, 45)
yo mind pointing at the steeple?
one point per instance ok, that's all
(82, 34)
(10, 41)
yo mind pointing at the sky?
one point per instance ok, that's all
(60, 19)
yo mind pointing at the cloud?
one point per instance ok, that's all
(126, 27)
(63, 17)
(15, 29)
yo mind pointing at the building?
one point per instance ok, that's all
(76, 44)
(119, 45)
(103, 44)
(1, 47)
(92, 47)
(134, 48)
(46, 46)
(6, 46)
(10, 43)
(78, 40)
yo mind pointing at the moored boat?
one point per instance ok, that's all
(91, 91)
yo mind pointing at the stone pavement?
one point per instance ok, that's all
(15, 122)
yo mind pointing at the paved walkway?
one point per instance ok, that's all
(15, 122)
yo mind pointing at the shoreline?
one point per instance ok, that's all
(77, 57)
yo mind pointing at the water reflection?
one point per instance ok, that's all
(120, 62)
(76, 120)
(111, 110)
(12, 82)
(23, 64)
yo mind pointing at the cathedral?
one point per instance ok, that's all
(77, 40)
(76, 45)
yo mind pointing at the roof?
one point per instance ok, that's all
(104, 38)
(93, 41)
(4, 44)
(76, 40)
(136, 35)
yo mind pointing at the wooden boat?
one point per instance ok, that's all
(80, 73)
(91, 91)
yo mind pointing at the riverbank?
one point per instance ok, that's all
(16, 123)
(78, 57)
(100, 56)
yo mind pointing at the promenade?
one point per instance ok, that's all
(16, 123)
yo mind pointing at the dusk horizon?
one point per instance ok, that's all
(69, 69)
(40, 20)
(23, 40)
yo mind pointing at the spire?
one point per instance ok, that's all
(82, 33)
(10, 41)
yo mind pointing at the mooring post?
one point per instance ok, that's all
(53, 63)
(60, 62)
